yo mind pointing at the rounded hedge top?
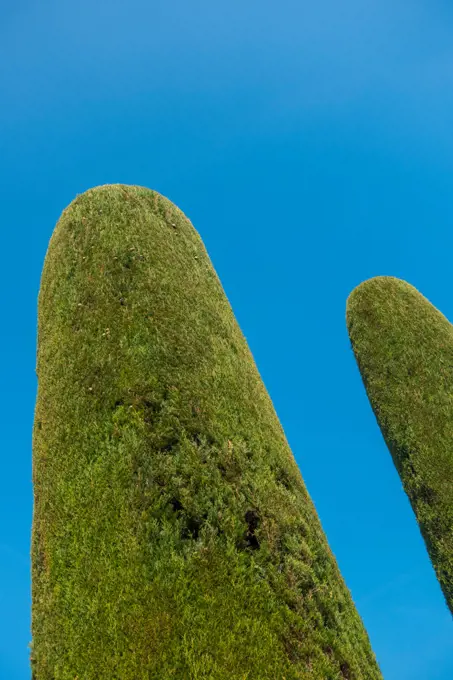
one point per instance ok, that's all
(404, 350)
(173, 536)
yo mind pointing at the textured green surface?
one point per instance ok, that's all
(173, 536)
(404, 350)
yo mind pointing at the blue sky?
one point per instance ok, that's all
(311, 145)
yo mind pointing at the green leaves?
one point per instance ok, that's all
(166, 494)
(404, 350)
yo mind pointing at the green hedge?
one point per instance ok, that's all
(173, 537)
(404, 350)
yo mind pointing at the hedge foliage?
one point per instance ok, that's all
(404, 350)
(173, 536)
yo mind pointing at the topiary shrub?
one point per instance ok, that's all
(404, 350)
(173, 536)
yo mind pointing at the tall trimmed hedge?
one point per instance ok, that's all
(173, 537)
(404, 350)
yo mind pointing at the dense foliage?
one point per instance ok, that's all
(173, 537)
(404, 350)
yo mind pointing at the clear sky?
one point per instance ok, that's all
(311, 145)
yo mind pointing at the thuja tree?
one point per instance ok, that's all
(404, 350)
(173, 536)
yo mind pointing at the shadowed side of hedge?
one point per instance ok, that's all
(404, 350)
(173, 536)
